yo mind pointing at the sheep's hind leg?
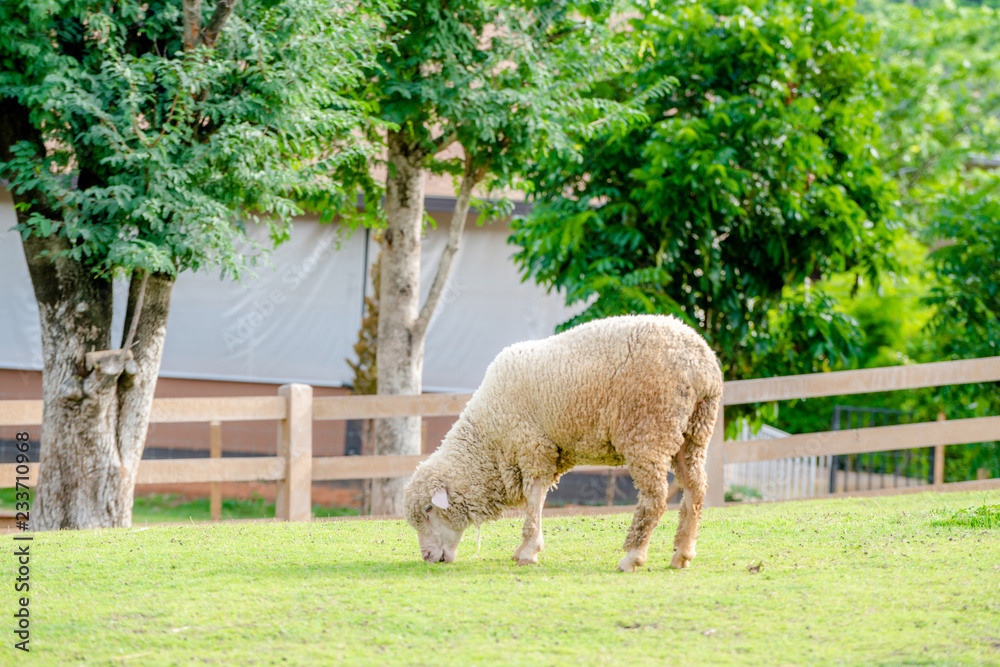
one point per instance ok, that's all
(650, 478)
(532, 542)
(689, 466)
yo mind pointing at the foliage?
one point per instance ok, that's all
(941, 118)
(756, 174)
(965, 296)
(503, 81)
(892, 319)
(738, 493)
(637, 234)
(966, 292)
(161, 595)
(155, 156)
(892, 314)
(941, 88)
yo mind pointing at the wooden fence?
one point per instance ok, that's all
(295, 409)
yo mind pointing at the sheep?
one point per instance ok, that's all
(639, 390)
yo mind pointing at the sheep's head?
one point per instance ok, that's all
(436, 520)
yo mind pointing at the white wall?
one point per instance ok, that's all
(298, 320)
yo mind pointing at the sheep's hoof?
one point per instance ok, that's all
(526, 561)
(679, 562)
(630, 562)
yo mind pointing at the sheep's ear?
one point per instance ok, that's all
(440, 498)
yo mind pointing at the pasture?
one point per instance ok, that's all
(911, 579)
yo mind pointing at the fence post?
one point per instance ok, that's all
(939, 457)
(294, 500)
(715, 465)
(215, 452)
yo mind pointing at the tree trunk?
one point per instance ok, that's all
(96, 407)
(95, 411)
(401, 330)
(399, 359)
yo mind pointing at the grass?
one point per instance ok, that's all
(984, 516)
(165, 508)
(852, 581)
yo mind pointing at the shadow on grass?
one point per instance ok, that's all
(413, 570)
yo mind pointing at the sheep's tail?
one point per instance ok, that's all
(702, 421)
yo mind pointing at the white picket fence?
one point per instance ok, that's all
(778, 479)
(799, 477)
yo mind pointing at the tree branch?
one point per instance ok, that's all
(223, 10)
(443, 142)
(470, 179)
(135, 391)
(192, 23)
(136, 313)
(559, 34)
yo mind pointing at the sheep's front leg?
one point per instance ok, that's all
(532, 542)
(650, 478)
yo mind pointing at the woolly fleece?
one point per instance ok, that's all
(635, 390)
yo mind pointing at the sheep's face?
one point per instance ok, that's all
(437, 535)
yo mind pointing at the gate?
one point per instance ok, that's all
(877, 470)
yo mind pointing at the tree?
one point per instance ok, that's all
(941, 90)
(141, 139)
(752, 182)
(941, 127)
(965, 296)
(940, 68)
(499, 81)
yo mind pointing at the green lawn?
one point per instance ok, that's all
(903, 580)
(163, 508)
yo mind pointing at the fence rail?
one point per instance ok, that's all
(375, 407)
(295, 409)
(864, 440)
(842, 383)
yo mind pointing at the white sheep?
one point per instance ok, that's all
(640, 390)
